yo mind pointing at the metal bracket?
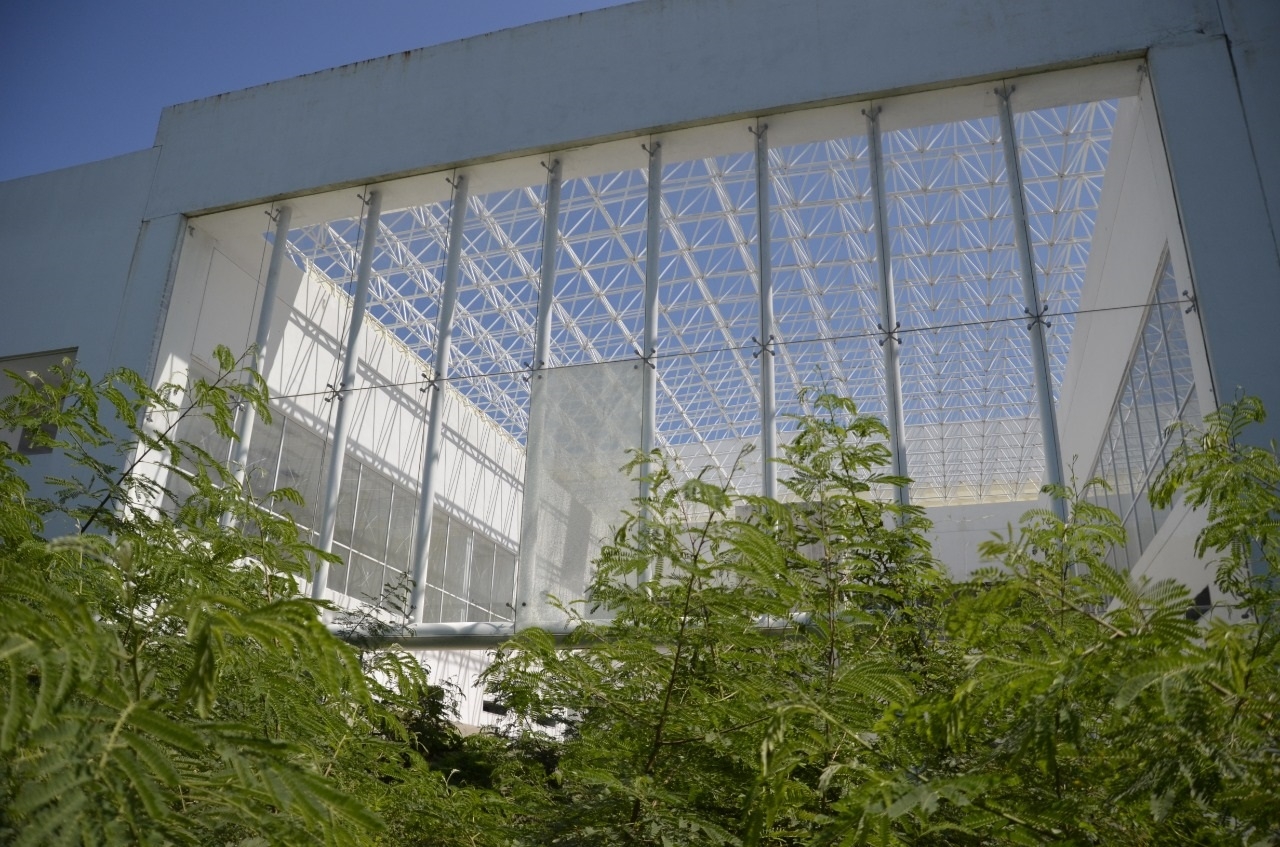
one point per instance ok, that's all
(873, 112)
(555, 163)
(1037, 318)
(364, 199)
(275, 216)
(657, 145)
(764, 347)
(890, 333)
(333, 393)
(1191, 298)
(648, 360)
(428, 382)
(758, 132)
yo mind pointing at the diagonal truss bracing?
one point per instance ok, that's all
(970, 411)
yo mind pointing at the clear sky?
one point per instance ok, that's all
(82, 80)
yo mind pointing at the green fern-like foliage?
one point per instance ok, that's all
(162, 682)
(801, 672)
(737, 625)
(745, 671)
(1093, 709)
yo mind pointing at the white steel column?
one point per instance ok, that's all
(768, 399)
(547, 278)
(652, 266)
(525, 580)
(248, 414)
(338, 445)
(444, 346)
(889, 339)
(1039, 347)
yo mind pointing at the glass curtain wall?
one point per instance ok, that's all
(972, 427)
(1157, 396)
(473, 574)
(825, 276)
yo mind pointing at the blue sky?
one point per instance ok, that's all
(83, 80)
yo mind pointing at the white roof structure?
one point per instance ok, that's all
(973, 433)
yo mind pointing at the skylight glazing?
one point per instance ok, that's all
(967, 387)
(599, 306)
(972, 428)
(708, 383)
(1062, 153)
(825, 276)
(497, 311)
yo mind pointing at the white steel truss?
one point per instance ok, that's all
(971, 424)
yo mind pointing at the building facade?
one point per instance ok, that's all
(1031, 235)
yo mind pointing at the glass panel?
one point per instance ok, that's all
(404, 513)
(599, 314)
(408, 262)
(715, 422)
(1110, 474)
(582, 422)
(1062, 154)
(1177, 346)
(302, 469)
(374, 513)
(504, 584)
(1144, 411)
(264, 455)
(456, 572)
(497, 308)
(1124, 480)
(481, 587)
(1133, 541)
(708, 382)
(337, 579)
(436, 565)
(972, 427)
(1163, 386)
(365, 582)
(347, 492)
(825, 275)
(1146, 521)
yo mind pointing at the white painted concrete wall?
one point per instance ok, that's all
(619, 71)
(958, 530)
(83, 269)
(1137, 223)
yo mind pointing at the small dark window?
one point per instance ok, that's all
(1200, 605)
(37, 366)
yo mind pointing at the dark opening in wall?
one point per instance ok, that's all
(32, 369)
(1200, 605)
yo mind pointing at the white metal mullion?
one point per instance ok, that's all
(1039, 349)
(344, 398)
